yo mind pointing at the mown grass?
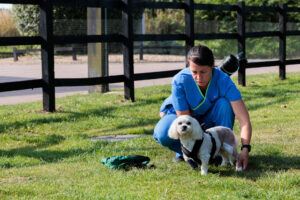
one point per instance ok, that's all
(50, 155)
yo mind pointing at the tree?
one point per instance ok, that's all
(27, 19)
(67, 20)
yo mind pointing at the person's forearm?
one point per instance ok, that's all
(246, 134)
(186, 112)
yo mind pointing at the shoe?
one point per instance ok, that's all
(178, 159)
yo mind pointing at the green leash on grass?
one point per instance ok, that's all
(122, 162)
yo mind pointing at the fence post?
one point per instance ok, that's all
(74, 52)
(105, 62)
(241, 42)
(47, 51)
(97, 65)
(15, 52)
(282, 41)
(127, 22)
(189, 26)
(141, 51)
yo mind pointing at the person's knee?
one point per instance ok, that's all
(157, 135)
(162, 128)
(161, 135)
(162, 139)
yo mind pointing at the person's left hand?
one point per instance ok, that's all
(243, 159)
(162, 114)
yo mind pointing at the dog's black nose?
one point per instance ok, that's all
(183, 128)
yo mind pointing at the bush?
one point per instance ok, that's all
(70, 20)
(27, 19)
(67, 20)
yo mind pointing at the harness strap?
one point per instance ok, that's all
(214, 147)
(197, 147)
(194, 152)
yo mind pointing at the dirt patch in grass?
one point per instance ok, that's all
(114, 138)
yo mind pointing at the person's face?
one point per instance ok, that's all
(201, 73)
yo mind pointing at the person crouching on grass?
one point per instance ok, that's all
(208, 94)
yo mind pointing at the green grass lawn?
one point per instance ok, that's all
(50, 155)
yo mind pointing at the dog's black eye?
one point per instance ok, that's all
(179, 123)
(188, 123)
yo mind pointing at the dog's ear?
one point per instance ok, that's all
(173, 130)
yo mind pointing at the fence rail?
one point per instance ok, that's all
(47, 41)
(16, 52)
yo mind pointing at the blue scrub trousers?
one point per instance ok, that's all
(221, 114)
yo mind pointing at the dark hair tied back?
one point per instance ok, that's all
(201, 55)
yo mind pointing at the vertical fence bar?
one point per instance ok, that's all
(74, 56)
(241, 42)
(104, 50)
(127, 22)
(282, 41)
(15, 52)
(47, 51)
(189, 26)
(141, 52)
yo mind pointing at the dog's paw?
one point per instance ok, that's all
(238, 169)
(192, 164)
(203, 172)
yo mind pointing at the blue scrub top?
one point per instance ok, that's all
(186, 94)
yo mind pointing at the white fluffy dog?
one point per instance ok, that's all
(201, 147)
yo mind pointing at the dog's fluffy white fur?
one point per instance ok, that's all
(188, 130)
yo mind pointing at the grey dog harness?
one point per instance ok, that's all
(193, 154)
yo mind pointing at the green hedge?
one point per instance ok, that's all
(169, 21)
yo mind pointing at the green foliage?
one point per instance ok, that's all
(164, 21)
(221, 48)
(67, 20)
(293, 47)
(27, 19)
(170, 21)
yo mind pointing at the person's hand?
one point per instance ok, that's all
(162, 114)
(243, 159)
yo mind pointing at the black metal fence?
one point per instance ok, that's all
(47, 41)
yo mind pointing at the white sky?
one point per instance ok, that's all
(5, 5)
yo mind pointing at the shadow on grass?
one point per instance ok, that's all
(32, 151)
(42, 156)
(45, 156)
(260, 165)
(105, 112)
(274, 96)
(55, 118)
(37, 148)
